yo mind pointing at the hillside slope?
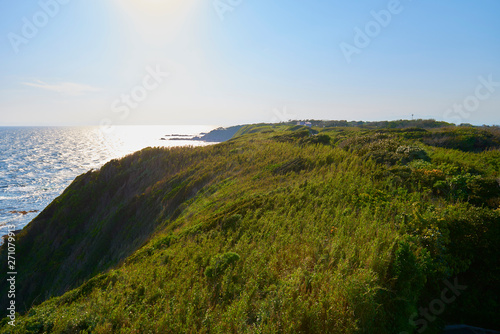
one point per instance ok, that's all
(275, 231)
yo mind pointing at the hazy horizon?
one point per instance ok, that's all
(227, 125)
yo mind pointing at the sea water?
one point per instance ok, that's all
(38, 163)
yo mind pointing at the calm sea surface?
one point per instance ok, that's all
(38, 163)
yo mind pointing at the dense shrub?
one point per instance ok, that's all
(384, 149)
(468, 139)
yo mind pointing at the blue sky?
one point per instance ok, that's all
(75, 62)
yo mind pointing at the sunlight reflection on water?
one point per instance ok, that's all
(38, 163)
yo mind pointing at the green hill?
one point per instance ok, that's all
(282, 229)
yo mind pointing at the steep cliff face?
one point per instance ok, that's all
(280, 229)
(101, 218)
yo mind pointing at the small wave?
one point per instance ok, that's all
(13, 219)
(21, 188)
(7, 198)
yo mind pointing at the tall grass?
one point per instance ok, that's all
(267, 233)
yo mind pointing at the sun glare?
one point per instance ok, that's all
(155, 20)
(153, 8)
(152, 5)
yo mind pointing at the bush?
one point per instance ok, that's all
(219, 264)
(409, 153)
(317, 139)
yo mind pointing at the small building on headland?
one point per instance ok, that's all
(304, 123)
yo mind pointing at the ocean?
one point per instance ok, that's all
(38, 163)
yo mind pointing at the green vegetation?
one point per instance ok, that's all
(282, 229)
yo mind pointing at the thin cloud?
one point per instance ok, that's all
(69, 88)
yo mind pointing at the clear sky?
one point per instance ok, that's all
(80, 62)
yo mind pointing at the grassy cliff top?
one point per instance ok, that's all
(282, 229)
